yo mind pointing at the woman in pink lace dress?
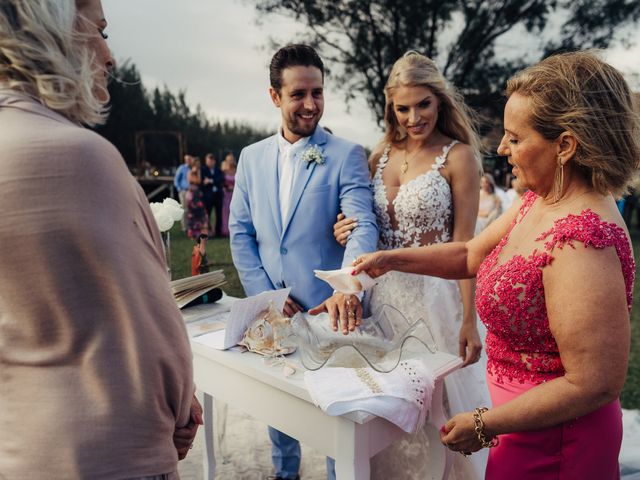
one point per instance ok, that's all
(554, 278)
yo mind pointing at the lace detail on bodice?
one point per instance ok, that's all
(511, 302)
(421, 212)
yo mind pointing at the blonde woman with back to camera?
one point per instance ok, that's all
(95, 365)
(555, 278)
(425, 174)
(490, 206)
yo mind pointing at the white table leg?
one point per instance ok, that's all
(208, 455)
(352, 451)
(437, 419)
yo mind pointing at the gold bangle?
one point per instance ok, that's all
(479, 429)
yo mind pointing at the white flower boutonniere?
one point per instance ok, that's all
(313, 154)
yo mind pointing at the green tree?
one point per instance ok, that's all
(361, 39)
(129, 111)
(133, 108)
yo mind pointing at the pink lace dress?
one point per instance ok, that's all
(522, 353)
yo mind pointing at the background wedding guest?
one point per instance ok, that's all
(181, 184)
(289, 189)
(199, 259)
(490, 204)
(228, 167)
(96, 377)
(197, 218)
(425, 174)
(555, 277)
(513, 194)
(213, 193)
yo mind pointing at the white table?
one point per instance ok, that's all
(244, 381)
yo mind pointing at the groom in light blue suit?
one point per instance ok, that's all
(289, 189)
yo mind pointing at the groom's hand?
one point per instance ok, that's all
(291, 307)
(345, 309)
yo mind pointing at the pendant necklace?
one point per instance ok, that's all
(405, 164)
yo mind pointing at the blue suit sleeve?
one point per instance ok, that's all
(356, 201)
(177, 180)
(244, 245)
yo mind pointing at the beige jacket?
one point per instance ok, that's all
(95, 364)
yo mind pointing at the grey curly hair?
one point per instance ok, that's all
(42, 54)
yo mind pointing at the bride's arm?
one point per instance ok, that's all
(464, 179)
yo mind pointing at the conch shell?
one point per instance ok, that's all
(267, 335)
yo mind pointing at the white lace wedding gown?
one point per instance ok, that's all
(421, 214)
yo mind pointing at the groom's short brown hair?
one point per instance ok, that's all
(296, 55)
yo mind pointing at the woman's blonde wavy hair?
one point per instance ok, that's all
(579, 93)
(455, 119)
(42, 54)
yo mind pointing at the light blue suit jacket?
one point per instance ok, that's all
(271, 254)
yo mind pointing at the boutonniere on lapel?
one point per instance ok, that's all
(313, 154)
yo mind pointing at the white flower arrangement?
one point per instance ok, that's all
(166, 213)
(313, 154)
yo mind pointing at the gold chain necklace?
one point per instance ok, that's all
(405, 164)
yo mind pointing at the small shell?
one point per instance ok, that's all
(288, 370)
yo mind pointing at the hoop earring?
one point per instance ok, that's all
(558, 181)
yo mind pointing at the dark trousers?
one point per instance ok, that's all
(213, 204)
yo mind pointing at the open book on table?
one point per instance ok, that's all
(189, 288)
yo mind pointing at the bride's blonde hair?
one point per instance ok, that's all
(43, 55)
(455, 119)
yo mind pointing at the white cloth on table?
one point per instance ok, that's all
(402, 396)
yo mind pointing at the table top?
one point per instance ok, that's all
(258, 368)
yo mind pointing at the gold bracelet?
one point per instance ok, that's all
(479, 428)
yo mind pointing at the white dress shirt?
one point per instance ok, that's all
(288, 168)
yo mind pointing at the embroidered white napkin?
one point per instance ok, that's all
(342, 281)
(402, 396)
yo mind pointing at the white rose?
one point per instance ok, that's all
(174, 208)
(156, 207)
(163, 219)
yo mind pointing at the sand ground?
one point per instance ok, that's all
(243, 450)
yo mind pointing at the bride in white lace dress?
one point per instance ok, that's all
(425, 177)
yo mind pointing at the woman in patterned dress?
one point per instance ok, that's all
(555, 277)
(425, 174)
(196, 211)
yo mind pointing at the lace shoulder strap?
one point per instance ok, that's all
(384, 158)
(442, 158)
(382, 161)
(589, 229)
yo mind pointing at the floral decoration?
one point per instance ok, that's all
(166, 213)
(313, 154)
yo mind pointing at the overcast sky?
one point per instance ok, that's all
(215, 50)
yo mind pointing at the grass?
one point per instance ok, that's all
(630, 397)
(220, 257)
(218, 253)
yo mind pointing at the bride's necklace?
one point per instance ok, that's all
(405, 163)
